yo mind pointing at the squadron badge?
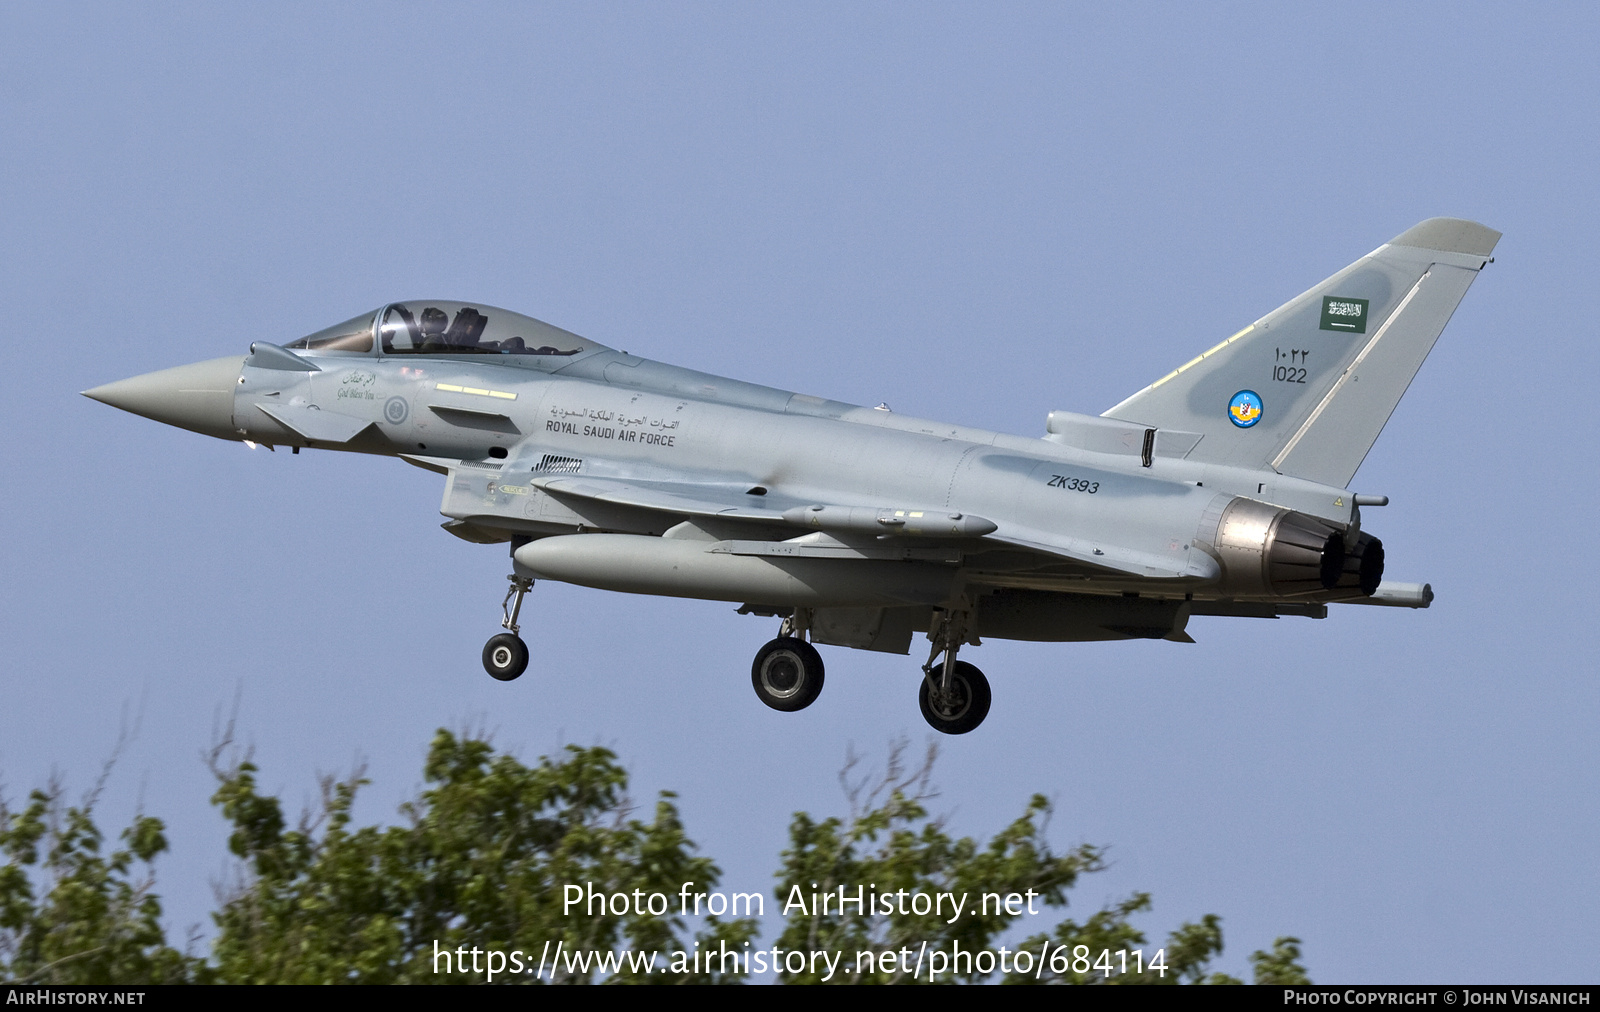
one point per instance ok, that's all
(1245, 409)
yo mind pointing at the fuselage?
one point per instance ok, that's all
(606, 414)
(1098, 507)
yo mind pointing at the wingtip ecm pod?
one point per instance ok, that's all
(1306, 389)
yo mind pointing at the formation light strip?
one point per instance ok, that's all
(1202, 357)
(452, 388)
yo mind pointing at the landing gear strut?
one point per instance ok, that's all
(505, 656)
(954, 695)
(787, 673)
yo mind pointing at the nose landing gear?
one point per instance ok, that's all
(505, 656)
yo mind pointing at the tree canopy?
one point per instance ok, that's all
(890, 842)
(550, 861)
(481, 864)
(70, 913)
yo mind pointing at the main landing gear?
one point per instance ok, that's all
(505, 656)
(954, 695)
(959, 708)
(787, 673)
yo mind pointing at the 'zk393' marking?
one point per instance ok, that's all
(1074, 484)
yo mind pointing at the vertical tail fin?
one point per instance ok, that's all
(1306, 389)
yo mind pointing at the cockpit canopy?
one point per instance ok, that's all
(433, 327)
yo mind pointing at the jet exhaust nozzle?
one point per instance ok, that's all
(1268, 551)
(1363, 567)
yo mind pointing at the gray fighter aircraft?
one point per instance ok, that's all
(1219, 489)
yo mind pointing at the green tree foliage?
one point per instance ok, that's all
(70, 914)
(1077, 950)
(1281, 965)
(481, 865)
(890, 845)
(482, 857)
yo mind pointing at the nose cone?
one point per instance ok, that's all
(198, 397)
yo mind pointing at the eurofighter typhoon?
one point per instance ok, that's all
(1219, 489)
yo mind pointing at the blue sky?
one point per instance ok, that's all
(974, 214)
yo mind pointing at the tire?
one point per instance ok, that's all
(787, 674)
(505, 656)
(967, 707)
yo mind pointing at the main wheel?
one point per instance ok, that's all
(963, 708)
(505, 656)
(787, 674)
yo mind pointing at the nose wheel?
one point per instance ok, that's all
(505, 656)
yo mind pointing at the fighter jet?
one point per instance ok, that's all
(1219, 489)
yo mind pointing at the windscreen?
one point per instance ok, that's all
(351, 335)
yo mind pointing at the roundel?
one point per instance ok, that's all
(395, 410)
(1244, 410)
